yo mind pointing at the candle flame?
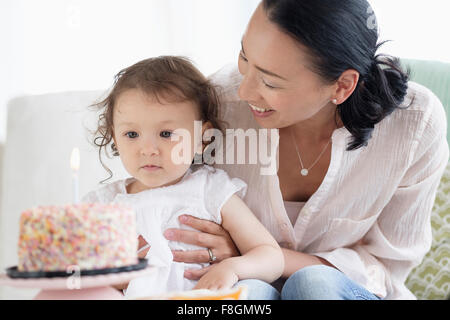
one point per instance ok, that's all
(75, 159)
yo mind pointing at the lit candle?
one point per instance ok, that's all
(75, 165)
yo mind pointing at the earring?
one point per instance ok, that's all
(114, 150)
(334, 101)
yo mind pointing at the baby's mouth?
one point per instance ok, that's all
(151, 168)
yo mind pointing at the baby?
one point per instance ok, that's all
(150, 112)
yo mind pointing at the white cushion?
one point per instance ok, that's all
(41, 133)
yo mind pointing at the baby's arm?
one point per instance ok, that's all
(261, 256)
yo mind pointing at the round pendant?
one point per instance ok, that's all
(304, 172)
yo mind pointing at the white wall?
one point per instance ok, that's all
(5, 62)
(419, 29)
(61, 45)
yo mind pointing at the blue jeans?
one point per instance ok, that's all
(310, 283)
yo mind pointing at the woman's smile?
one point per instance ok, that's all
(261, 112)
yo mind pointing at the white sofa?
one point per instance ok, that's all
(42, 131)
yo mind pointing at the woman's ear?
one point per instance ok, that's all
(346, 85)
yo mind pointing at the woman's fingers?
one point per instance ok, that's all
(209, 235)
(141, 242)
(143, 247)
(224, 245)
(200, 239)
(191, 256)
(143, 253)
(202, 225)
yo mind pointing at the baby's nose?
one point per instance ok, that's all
(149, 149)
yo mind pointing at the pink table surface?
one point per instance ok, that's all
(77, 288)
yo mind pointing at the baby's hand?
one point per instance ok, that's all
(220, 276)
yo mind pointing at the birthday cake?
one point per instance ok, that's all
(89, 236)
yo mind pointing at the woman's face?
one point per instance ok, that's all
(277, 77)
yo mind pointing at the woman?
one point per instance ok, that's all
(361, 153)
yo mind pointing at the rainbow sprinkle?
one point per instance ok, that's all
(90, 236)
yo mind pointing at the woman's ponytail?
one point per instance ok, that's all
(380, 91)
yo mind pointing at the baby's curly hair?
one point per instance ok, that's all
(170, 78)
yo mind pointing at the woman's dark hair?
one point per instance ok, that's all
(342, 35)
(168, 79)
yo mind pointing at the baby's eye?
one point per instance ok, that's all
(165, 134)
(132, 135)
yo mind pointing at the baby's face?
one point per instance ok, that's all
(143, 133)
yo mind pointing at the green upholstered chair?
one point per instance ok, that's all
(431, 279)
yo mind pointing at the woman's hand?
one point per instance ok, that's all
(142, 253)
(209, 235)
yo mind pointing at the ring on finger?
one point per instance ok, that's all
(212, 257)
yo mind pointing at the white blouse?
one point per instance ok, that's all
(370, 217)
(293, 209)
(202, 192)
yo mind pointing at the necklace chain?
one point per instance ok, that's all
(305, 171)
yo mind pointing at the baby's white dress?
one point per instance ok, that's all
(201, 193)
